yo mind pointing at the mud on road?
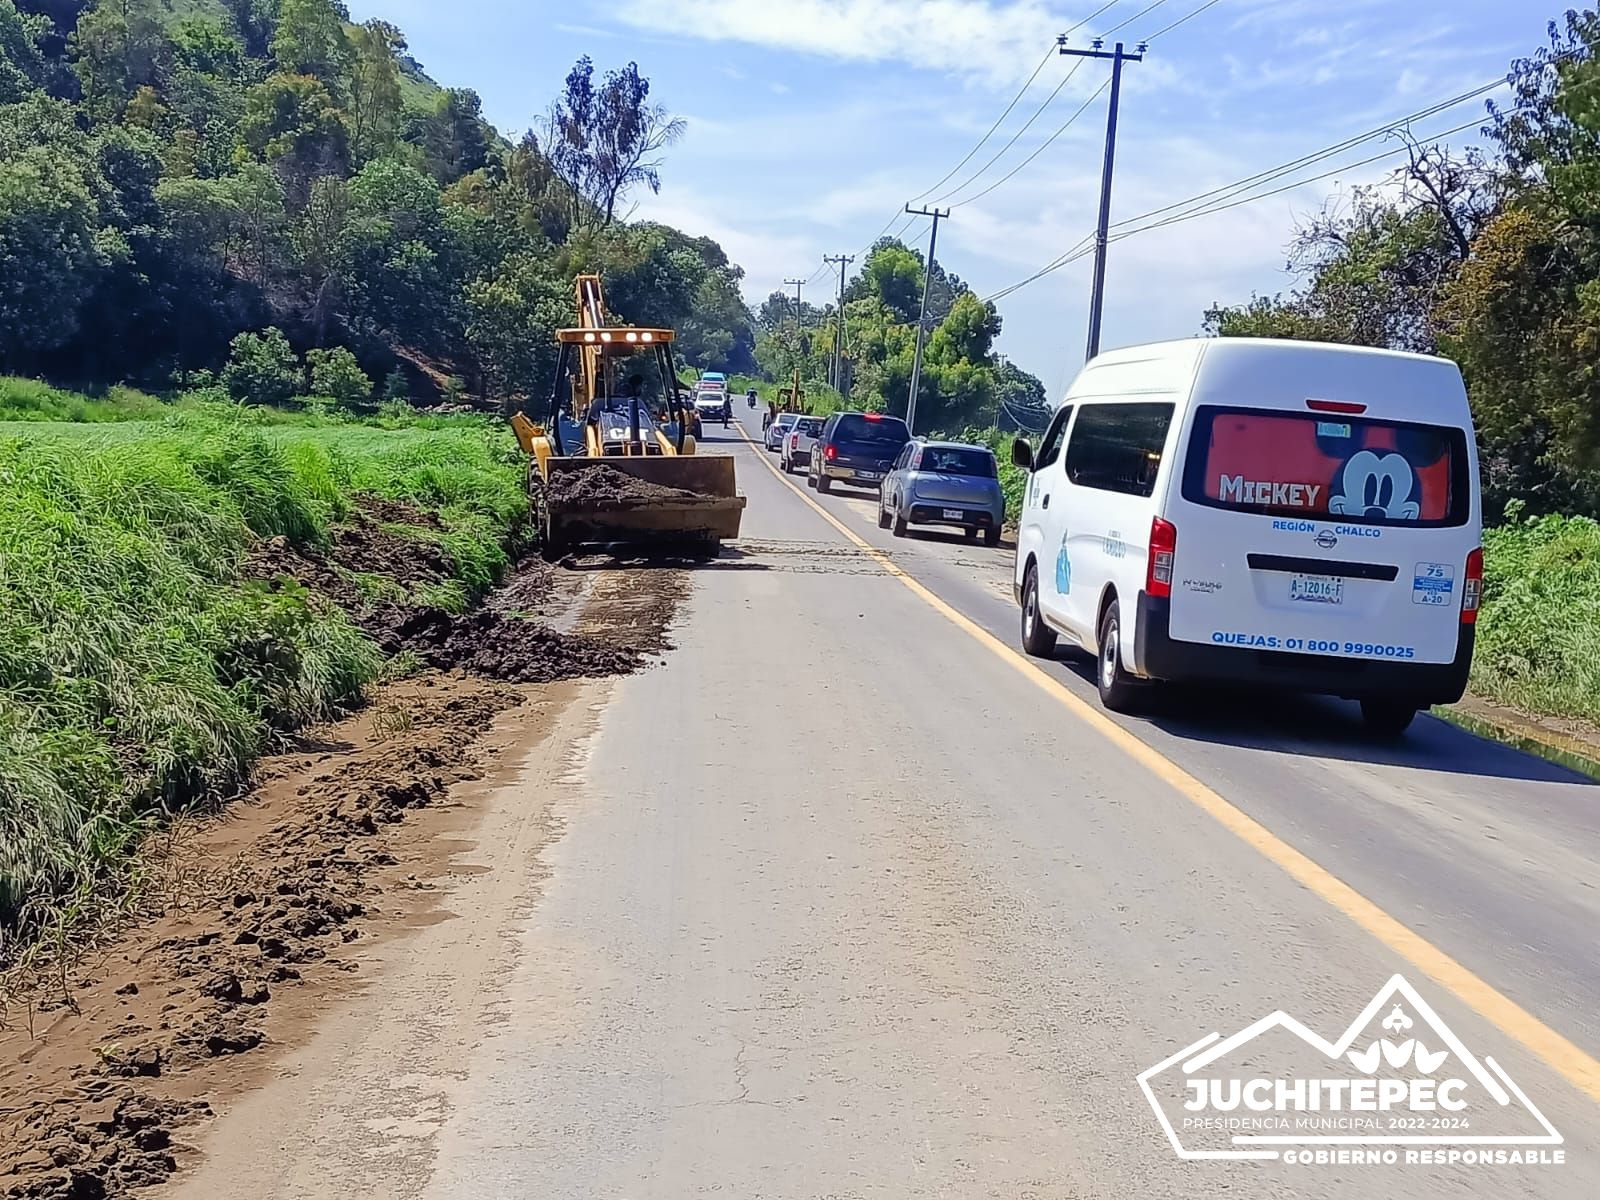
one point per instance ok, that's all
(251, 920)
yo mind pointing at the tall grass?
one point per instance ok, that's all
(140, 671)
(1539, 628)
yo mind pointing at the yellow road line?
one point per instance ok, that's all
(1563, 1056)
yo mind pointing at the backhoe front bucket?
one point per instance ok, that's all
(710, 514)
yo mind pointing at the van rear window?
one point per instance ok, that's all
(1347, 468)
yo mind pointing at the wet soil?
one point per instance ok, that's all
(104, 1063)
(107, 1054)
(605, 487)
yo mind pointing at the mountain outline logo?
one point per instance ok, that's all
(1415, 1084)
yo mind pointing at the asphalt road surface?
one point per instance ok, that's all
(844, 899)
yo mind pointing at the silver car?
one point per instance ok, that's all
(943, 483)
(795, 451)
(774, 435)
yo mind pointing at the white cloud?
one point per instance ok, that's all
(983, 40)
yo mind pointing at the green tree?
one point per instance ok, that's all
(292, 123)
(22, 67)
(50, 256)
(118, 47)
(512, 318)
(262, 368)
(310, 40)
(375, 99)
(452, 137)
(337, 375)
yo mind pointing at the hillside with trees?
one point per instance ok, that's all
(176, 175)
(964, 383)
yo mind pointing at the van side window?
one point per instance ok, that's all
(1050, 448)
(1117, 447)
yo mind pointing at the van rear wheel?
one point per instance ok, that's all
(1038, 639)
(1118, 690)
(1388, 718)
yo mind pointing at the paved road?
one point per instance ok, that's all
(890, 917)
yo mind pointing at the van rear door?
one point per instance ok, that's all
(1320, 529)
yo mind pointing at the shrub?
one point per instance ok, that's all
(262, 368)
(395, 387)
(337, 375)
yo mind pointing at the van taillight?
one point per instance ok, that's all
(1163, 546)
(1472, 588)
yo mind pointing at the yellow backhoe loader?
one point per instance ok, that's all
(617, 405)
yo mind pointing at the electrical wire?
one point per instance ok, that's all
(1048, 55)
(978, 174)
(1043, 146)
(1192, 211)
(1132, 19)
(1179, 21)
(1226, 191)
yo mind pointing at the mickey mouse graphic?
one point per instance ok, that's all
(1381, 480)
(1371, 485)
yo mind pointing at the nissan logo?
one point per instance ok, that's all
(1326, 539)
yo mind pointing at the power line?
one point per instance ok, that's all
(1193, 210)
(1043, 146)
(1315, 156)
(1272, 173)
(1000, 153)
(1180, 21)
(1135, 17)
(1048, 55)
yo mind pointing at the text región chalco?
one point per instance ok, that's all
(1325, 1095)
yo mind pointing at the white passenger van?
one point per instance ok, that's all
(1283, 514)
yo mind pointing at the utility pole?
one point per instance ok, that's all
(922, 314)
(799, 320)
(841, 261)
(1118, 56)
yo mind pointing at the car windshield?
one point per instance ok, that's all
(786, 418)
(876, 430)
(1343, 467)
(957, 460)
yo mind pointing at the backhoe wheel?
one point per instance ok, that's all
(1038, 639)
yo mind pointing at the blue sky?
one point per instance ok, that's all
(810, 122)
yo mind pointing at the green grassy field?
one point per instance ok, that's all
(141, 671)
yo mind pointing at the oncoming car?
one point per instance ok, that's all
(1278, 514)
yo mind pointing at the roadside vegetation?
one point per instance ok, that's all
(1539, 631)
(144, 663)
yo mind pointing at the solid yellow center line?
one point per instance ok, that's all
(1567, 1059)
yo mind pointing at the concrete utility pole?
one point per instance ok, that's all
(922, 315)
(841, 261)
(799, 319)
(1118, 56)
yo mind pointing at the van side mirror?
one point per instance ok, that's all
(1022, 454)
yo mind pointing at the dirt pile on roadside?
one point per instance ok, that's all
(499, 645)
(606, 487)
(93, 1102)
(364, 544)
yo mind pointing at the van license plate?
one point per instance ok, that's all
(951, 514)
(1316, 589)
